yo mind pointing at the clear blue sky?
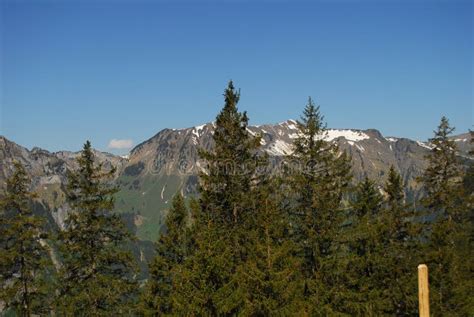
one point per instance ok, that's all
(102, 70)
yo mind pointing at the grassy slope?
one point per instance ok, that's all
(142, 196)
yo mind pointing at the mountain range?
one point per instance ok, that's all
(156, 169)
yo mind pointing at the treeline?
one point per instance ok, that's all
(305, 242)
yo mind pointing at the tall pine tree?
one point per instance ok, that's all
(24, 259)
(318, 184)
(231, 165)
(223, 219)
(98, 274)
(448, 253)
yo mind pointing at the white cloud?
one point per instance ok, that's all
(117, 144)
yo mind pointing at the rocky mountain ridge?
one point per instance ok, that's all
(169, 162)
(48, 172)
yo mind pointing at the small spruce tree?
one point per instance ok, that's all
(448, 252)
(24, 259)
(98, 273)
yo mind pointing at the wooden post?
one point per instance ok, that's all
(423, 291)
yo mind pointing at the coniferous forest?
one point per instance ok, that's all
(309, 240)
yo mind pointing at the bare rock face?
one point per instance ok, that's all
(169, 163)
(48, 173)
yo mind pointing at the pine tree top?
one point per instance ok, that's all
(394, 186)
(368, 200)
(17, 195)
(310, 143)
(177, 214)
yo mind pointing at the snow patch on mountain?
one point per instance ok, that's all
(349, 135)
(360, 147)
(425, 145)
(162, 191)
(198, 129)
(333, 134)
(251, 132)
(291, 124)
(279, 148)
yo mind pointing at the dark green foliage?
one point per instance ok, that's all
(394, 189)
(401, 243)
(317, 185)
(469, 177)
(24, 254)
(171, 250)
(448, 252)
(97, 275)
(269, 281)
(200, 279)
(469, 189)
(221, 224)
(231, 165)
(442, 177)
(368, 200)
(379, 257)
(363, 261)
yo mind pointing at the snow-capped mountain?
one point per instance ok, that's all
(169, 162)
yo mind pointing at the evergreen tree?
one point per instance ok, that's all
(204, 272)
(269, 282)
(171, 250)
(448, 253)
(221, 241)
(469, 188)
(97, 277)
(24, 259)
(231, 165)
(318, 185)
(367, 200)
(394, 189)
(469, 177)
(442, 176)
(363, 261)
(400, 242)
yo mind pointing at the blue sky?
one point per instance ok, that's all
(103, 70)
